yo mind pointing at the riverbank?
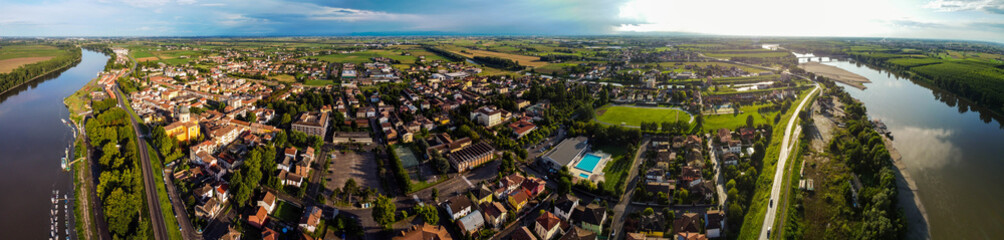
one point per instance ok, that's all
(836, 74)
(61, 68)
(917, 222)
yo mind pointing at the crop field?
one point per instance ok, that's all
(15, 56)
(680, 66)
(522, 59)
(634, 116)
(753, 54)
(913, 62)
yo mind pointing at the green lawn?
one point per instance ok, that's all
(319, 83)
(730, 121)
(633, 116)
(616, 171)
(287, 212)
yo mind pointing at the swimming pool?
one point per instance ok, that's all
(583, 175)
(588, 163)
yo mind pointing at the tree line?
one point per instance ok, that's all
(28, 72)
(120, 181)
(500, 63)
(445, 54)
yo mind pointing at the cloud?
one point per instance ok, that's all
(351, 15)
(991, 6)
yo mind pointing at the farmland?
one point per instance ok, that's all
(521, 59)
(634, 116)
(15, 56)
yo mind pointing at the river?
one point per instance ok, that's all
(32, 141)
(954, 153)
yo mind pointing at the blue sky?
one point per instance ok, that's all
(940, 19)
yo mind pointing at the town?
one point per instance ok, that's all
(426, 139)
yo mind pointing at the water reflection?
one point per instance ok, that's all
(934, 148)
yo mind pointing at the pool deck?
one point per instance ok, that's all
(594, 175)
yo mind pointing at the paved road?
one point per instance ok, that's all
(149, 181)
(621, 209)
(775, 190)
(187, 231)
(718, 178)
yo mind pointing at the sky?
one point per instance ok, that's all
(981, 20)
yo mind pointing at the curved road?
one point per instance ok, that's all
(149, 183)
(775, 190)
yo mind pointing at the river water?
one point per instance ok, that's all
(32, 141)
(954, 152)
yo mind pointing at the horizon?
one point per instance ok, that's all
(966, 20)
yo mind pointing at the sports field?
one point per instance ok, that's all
(635, 115)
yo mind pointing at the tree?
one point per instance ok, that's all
(648, 212)
(350, 187)
(435, 194)
(383, 210)
(564, 185)
(428, 214)
(749, 121)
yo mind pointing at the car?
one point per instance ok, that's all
(771, 203)
(768, 232)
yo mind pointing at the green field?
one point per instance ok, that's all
(634, 116)
(730, 121)
(616, 172)
(364, 56)
(21, 51)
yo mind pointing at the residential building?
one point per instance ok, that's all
(268, 202)
(590, 217)
(458, 206)
(258, 219)
(518, 199)
(522, 233)
(495, 213)
(564, 206)
(311, 217)
(576, 233)
(547, 226)
(714, 222)
(312, 123)
(487, 116)
(472, 222)
(425, 232)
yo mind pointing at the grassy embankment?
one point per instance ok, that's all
(758, 205)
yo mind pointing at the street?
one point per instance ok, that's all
(621, 209)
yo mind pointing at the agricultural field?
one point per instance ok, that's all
(524, 60)
(913, 62)
(15, 56)
(754, 53)
(634, 116)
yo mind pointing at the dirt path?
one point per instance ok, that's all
(82, 199)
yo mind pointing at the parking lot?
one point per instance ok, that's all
(359, 165)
